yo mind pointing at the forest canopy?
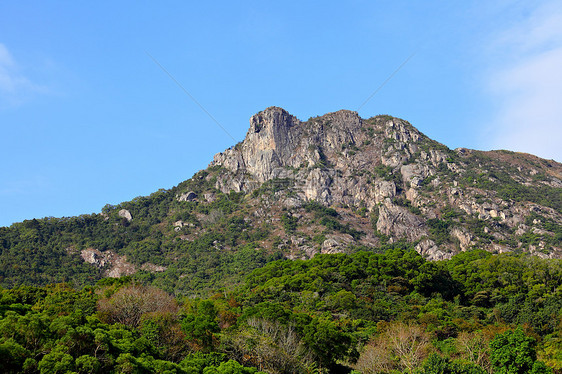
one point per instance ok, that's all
(368, 312)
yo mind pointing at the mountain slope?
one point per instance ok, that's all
(331, 184)
(412, 187)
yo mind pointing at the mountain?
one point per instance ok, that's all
(387, 182)
(335, 183)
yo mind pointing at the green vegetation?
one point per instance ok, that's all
(289, 222)
(402, 201)
(547, 224)
(384, 313)
(39, 335)
(328, 217)
(384, 117)
(272, 186)
(384, 172)
(222, 249)
(501, 177)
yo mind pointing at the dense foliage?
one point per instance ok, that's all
(221, 249)
(368, 312)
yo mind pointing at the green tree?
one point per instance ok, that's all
(436, 364)
(552, 350)
(230, 367)
(87, 365)
(513, 352)
(201, 325)
(56, 362)
(328, 342)
(12, 356)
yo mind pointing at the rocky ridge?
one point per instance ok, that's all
(409, 186)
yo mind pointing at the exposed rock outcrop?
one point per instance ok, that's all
(114, 265)
(399, 222)
(189, 196)
(124, 213)
(318, 158)
(386, 166)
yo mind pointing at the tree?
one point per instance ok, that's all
(436, 364)
(475, 348)
(400, 347)
(230, 367)
(56, 362)
(513, 352)
(12, 356)
(87, 364)
(324, 337)
(201, 325)
(269, 345)
(130, 303)
(164, 331)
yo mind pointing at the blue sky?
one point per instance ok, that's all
(87, 117)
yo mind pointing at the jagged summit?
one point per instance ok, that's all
(321, 153)
(278, 139)
(404, 181)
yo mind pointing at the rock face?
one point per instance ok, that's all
(113, 265)
(189, 196)
(318, 157)
(407, 186)
(399, 222)
(125, 214)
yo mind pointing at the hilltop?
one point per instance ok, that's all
(387, 181)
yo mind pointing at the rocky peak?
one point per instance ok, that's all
(410, 187)
(316, 153)
(271, 122)
(269, 142)
(277, 139)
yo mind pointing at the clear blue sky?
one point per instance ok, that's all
(87, 118)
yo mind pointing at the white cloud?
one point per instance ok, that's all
(527, 85)
(15, 87)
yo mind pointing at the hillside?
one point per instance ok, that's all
(335, 183)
